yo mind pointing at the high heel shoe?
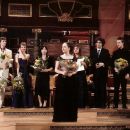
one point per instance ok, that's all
(45, 104)
(40, 105)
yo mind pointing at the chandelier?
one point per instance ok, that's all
(65, 10)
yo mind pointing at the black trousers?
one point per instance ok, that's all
(119, 80)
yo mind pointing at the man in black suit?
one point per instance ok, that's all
(120, 77)
(100, 59)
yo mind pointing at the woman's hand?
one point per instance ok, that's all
(44, 70)
(64, 73)
(83, 63)
(71, 74)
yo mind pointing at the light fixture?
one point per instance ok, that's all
(65, 10)
(3, 29)
(36, 30)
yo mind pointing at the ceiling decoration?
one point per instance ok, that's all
(65, 10)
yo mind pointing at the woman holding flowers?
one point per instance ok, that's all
(83, 63)
(66, 95)
(120, 65)
(22, 64)
(43, 66)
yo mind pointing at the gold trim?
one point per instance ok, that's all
(19, 15)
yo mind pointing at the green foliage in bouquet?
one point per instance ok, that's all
(120, 64)
(87, 60)
(18, 83)
(68, 65)
(2, 56)
(3, 83)
(38, 63)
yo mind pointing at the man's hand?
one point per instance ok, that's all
(100, 64)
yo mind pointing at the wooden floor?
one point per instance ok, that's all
(41, 119)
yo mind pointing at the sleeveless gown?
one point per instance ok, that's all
(24, 99)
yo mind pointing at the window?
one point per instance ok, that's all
(19, 10)
(85, 12)
(44, 11)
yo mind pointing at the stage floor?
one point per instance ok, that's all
(41, 119)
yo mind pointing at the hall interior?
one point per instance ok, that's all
(33, 22)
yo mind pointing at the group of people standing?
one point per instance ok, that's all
(101, 62)
(71, 86)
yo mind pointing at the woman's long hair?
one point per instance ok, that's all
(40, 53)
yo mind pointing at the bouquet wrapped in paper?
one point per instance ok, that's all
(18, 83)
(84, 59)
(120, 64)
(68, 65)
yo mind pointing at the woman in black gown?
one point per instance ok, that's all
(25, 99)
(66, 95)
(42, 86)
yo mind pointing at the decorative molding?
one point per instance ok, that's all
(111, 127)
(19, 10)
(28, 113)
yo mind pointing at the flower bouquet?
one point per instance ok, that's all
(82, 62)
(87, 60)
(18, 83)
(3, 83)
(120, 64)
(68, 65)
(39, 65)
(4, 55)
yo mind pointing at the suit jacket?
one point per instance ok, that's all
(104, 57)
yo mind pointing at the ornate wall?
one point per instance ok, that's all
(111, 19)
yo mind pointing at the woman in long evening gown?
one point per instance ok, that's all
(42, 86)
(66, 94)
(25, 98)
(82, 62)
